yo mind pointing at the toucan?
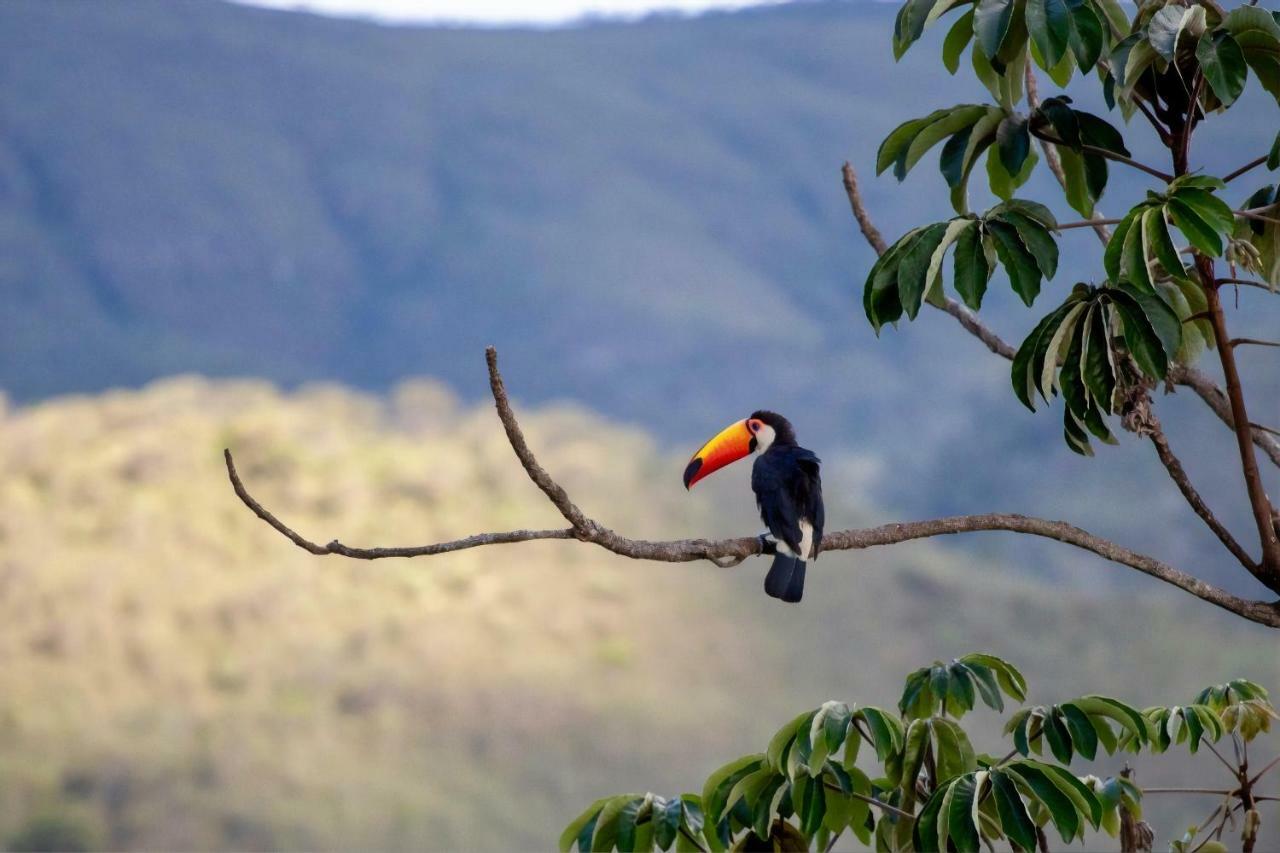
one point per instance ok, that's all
(788, 487)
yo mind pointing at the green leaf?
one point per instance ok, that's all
(1048, 22)
(1057, 352)
(1037, 240)
(607, 822)
(1035, 779)
(971, 270)
(1273, 158)
(716, 790)
(666, 821)
(961, 829)
(1114, 252)
(991, 22)
(1010, 679)
(1086, 37)
(1223, 63)
(913, 753)
(954, 753)
(880, 295)
(899, 139)
(1014, 141)
(1104, 706)
(987, 687)
(1165, 27)
(958, 38)
(775, 754)
(1158, 244)
(569, 838)
(1025, 376)
(957, 118)
(1015, 822)
(1164, 322)
(1258, 35)
(1083, 735)
(836, 724)
(1194, 227)
(1075, 188)
(1139, 338)
(1133, 258)
(1022, 268)
(927, 824)
(1055, 732)
(1096, 368)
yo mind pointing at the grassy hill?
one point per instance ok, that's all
(174, 675)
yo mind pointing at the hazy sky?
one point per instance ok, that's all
(498, 11)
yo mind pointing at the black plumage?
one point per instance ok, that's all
(788, 487)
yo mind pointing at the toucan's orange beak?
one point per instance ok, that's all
(733, 443)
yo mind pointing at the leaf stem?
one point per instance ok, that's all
(1086, 223)
(1110, 155)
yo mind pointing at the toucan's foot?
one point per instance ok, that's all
(767, 545)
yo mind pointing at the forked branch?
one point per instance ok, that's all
(730, 552)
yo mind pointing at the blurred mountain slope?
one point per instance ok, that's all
(175, 675)
(645, 217)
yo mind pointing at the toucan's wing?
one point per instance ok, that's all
(772, 479)
(807, 490)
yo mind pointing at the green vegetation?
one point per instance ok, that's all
(928, 789)
(173, 674)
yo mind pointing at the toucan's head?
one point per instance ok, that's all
(755, 434)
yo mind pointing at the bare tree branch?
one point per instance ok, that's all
(869, 229)
(730, 552)
(1258, 500)
(336, 547)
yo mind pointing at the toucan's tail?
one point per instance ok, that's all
(786, 578)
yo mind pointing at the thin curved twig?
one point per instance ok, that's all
(730, 552)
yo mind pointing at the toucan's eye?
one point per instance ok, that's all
(755, 426)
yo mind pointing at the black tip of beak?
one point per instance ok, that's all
(691, 471)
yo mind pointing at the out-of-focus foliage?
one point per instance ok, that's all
(923, 788)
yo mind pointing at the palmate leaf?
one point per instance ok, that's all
(953, 688)
(956, 815)
(630, 822)
(1079, 726)
(1016, 235)
(1257, 33)
(1086, 171)
(1224, 67)
(1141, 248)
(1188, 724)
(1062, 34)
(1073, 351)
(969, 130)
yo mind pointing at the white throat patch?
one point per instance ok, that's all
(764, 437)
